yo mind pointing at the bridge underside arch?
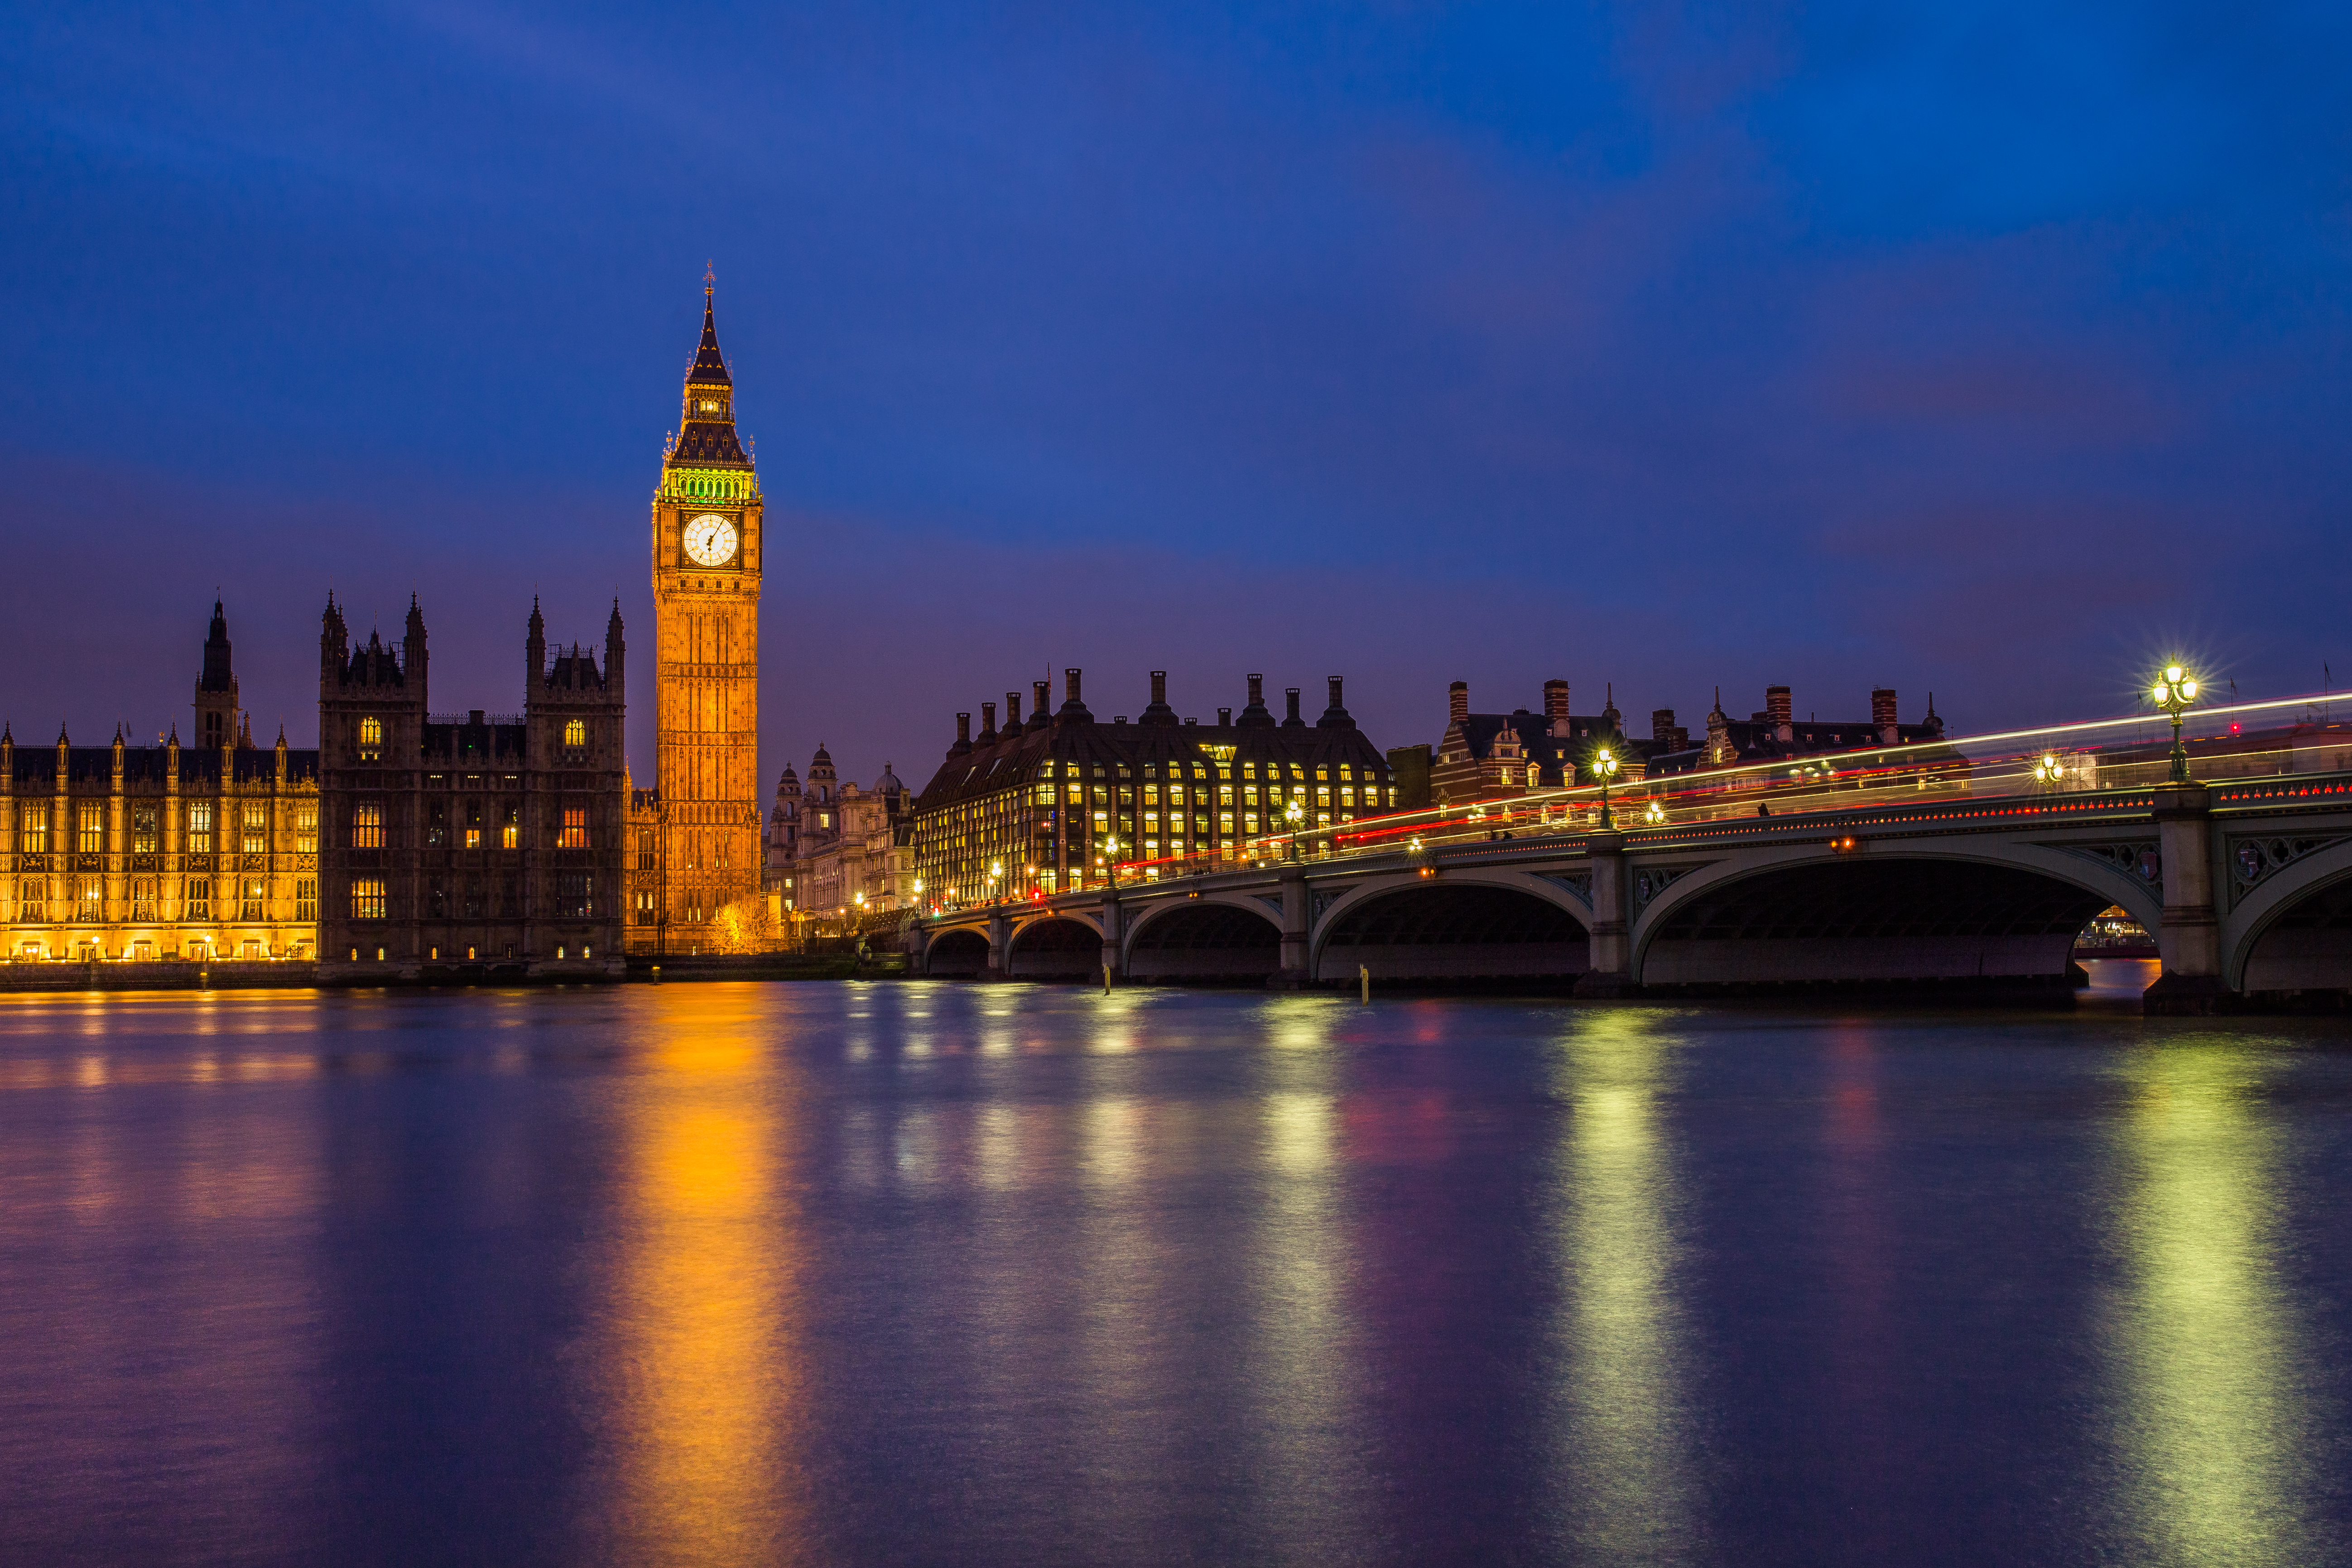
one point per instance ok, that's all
(1055, 949)
(956, 954)
(1454, 931)
(1210, 942)
(2307, 946)
(1876, 921)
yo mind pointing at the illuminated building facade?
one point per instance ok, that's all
(472, 847)
(199, 853)
(1495, 756)
(694, 834)
(838, 851)
(1035, 805)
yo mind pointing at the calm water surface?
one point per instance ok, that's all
(928, 1273)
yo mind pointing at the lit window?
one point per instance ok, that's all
(33, 900)
(200, 829)
(511, 828)
(200, 898)
(367, 899)
(256, 889)
(367, 826)
(142, 832)
(371, 739)
(91, 839)
(33, 827)
(257, 830)
(306, 899)
(575, 732)
(473, 825)
(575, 828)
(306, 830)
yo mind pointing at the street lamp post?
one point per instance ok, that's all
(1604, 768)
(1294, 815)
(2048, 770)
(995, 875)
(1110, 859)
(2175, 691)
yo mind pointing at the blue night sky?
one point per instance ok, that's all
(1991, 349)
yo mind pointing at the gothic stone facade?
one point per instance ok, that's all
(695, 868)
(197, 853)
(473, 846)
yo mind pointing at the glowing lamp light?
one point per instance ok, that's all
(2173, 693)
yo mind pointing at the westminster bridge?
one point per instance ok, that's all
(1968, 862)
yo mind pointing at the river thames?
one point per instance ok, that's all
(925, 1273)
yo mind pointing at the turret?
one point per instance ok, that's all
(616, 646)
(412, 652)
(534, 646)
(217, 687)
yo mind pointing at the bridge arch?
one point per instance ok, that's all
(2292, 930)
(1230, 937)
(1058, 946)
(1805, 914)
(959, 952)
(1492, 923)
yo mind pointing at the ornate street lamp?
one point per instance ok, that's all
(2048, 770)
(2175, 691)
(1111, 858)
(1604, 768)
(1294, 815)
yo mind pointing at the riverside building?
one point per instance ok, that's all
(198, 853)
(1058, 801)
(475, 846)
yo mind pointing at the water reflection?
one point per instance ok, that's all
(696, 1386)
(2211, 1418)
(1625, 1439)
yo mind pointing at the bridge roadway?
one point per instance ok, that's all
(2247, 883)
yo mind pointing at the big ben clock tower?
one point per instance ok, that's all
(708, 541)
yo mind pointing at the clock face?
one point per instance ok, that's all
(711, 540)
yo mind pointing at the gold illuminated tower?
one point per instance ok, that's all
(707, 555)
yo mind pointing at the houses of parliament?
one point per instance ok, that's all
(415, 845)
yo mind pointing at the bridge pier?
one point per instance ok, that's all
(2189, 939)
(1610, 969)
(1297, 928)
(1114, 937)
(1000, 946)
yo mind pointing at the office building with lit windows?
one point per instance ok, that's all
(201, 853)
(1052, 803)
(469, 846)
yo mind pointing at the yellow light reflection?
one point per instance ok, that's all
(699, 1379)
(1626, 1434)
(2206, 1350)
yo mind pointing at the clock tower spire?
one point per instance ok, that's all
(707, 545)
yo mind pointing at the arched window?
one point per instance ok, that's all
(575, 732)
(371, 739)
(367, 825)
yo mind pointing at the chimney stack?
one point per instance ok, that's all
(1291, 713)
(1257, 690)
(1160, 687)
(1224, 718)
(1457, 703)
(1039, 692)
(1881, 714)
(987, 722)
(1011, 712)
(963, 736)
(1554, 707)
(1779, 711)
